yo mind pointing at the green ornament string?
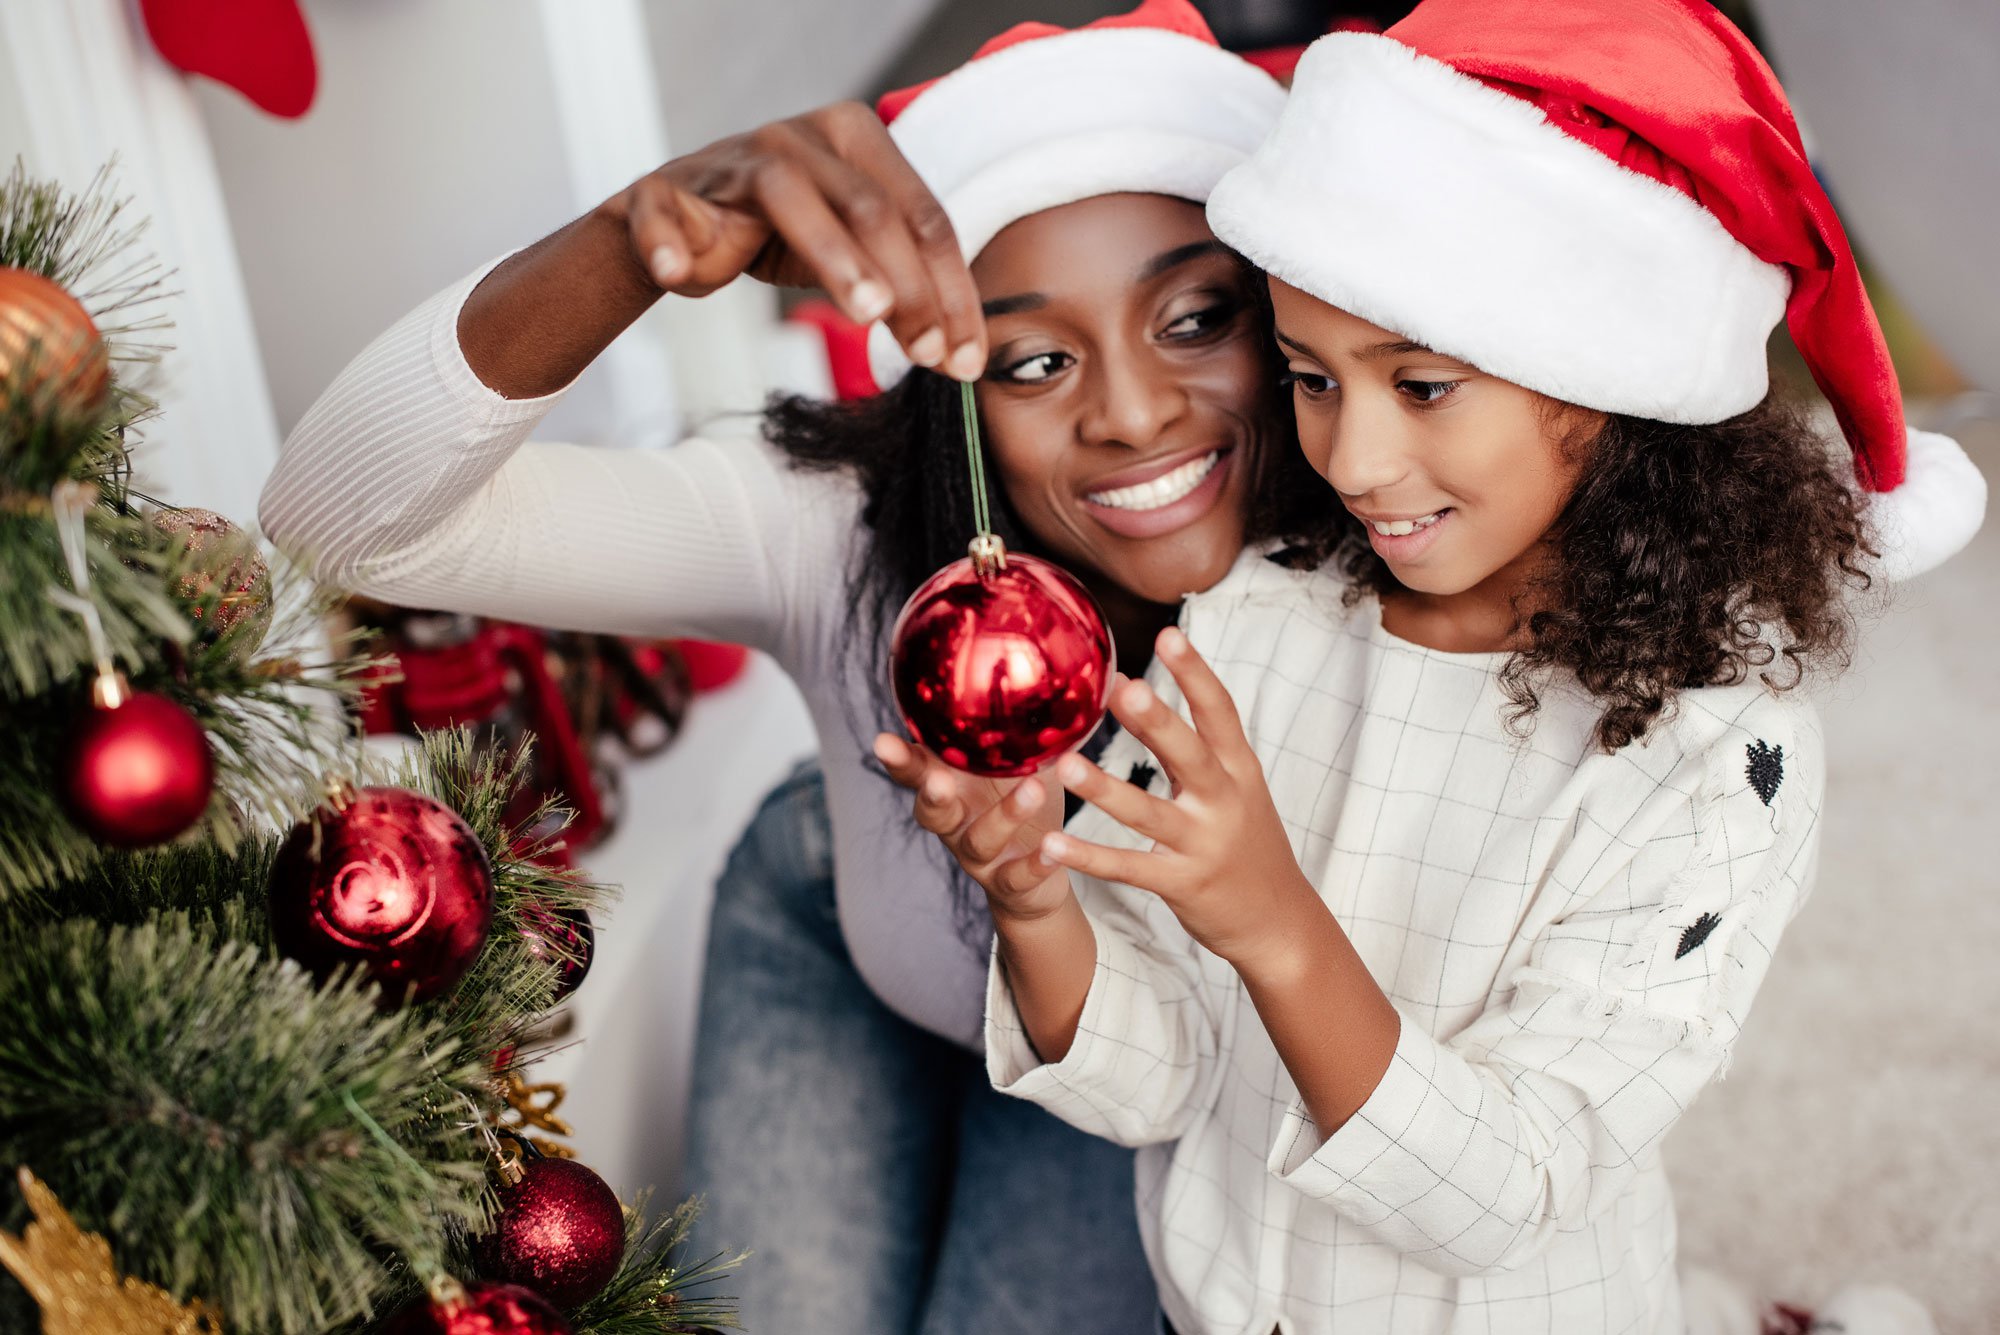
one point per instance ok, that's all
(986, 550)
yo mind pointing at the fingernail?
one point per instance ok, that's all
(1071, 770)
(965, 363)
(666, 264)
(927, 349)
(1054, 846)
(869, 300)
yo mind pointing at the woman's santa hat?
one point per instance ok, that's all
(1606, 201)
(1042, 116)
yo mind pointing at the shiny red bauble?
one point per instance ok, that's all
(564, 938)
(559, 1230)
(136, 772)
(389, 880)
(480, 1309)
(1000, 671)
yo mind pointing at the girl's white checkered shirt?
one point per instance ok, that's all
(1572, 939)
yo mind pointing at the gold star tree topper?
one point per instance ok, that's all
(69, 1272)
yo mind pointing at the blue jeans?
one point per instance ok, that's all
(882, 1185)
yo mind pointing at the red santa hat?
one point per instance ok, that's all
(1042, 116)
(1606, 201)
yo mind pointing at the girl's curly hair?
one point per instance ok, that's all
(1687, 556)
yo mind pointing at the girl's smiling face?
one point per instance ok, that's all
(1127, 398)
(1455, 475)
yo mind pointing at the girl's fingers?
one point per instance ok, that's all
(1018, 876)
(1185, 757)
(901, 761)
(1209, 702)
(1145, 870)
(1129, 805)
(987, 837)
(939, 807)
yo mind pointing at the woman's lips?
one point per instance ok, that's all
(1155, 501)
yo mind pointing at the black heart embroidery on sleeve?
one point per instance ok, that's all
(1696, 933)
(1766, 769)
(1142, 774)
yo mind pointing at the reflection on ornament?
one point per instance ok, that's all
(51, 356)
(1000, 663)
(478, 1309)
(389, 880)
(561, 937)
(234, 588)
(533, 1108)
(137, 770)
(70, 1275)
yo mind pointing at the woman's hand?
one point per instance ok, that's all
(824, 199)
(994, 827)
(1221, 859)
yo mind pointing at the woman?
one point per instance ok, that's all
(842, 1123)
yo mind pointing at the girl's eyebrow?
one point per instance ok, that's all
(1396, 347)
(1151, 269)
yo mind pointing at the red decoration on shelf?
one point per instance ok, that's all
(137, 770)
(564, 938)
(261, 48)
(1000, 669)
(559, 1230)
(711, 665)
(387, 879)
(479, 1309)
(50, 350)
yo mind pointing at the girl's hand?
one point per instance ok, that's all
(994, 827)
(1221, 858)
(824, 199)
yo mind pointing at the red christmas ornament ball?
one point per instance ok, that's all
(1000, 672)
(559, 1231)
(480, 1309)
(564, 938)
(136, 772)
(387, 879)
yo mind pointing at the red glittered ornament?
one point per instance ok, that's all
(1000, 662)
(479, 1309)
(559, 1230)
(387, 879)
(137, 770)
(564, 938)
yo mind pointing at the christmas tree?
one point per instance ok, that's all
(264, 1011)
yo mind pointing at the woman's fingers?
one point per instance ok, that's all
(1209, 702)
(1187, 759)
(798, 210)
(1133, 807)
(657, 237)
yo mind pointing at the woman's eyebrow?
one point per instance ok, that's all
(1179, 255)
(1026, 301)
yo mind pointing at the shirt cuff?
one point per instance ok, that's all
(1012, 1063)
(488, 405)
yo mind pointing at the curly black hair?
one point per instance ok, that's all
(1686, 556)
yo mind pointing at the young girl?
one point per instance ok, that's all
(1477, 838)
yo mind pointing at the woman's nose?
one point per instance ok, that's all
(1133, 399)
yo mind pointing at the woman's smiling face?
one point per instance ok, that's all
(1127, 399)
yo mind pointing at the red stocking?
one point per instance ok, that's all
(261, 48)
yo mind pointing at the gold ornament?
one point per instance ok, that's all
(236, 586)
(533, 1107)
(70, 1274)
(51, 356)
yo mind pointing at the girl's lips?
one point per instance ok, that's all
(1167, 518)
(1407, 546)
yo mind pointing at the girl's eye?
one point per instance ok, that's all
(1033, 370)
(1204, 321)
(1428, 391)
(1308, 383)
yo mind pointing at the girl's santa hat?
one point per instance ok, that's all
(1042, 116)
(1606, 201)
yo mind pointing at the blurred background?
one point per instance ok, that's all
(1858, 1135)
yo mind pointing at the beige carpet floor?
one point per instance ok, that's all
(1857, 1135)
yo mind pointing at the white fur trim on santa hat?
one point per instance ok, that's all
(1933, 514)
(1073, 116)
(1423, 201)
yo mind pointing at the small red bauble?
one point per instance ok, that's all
(559, 1231)
(998, 671)
(138, 769)
(479, 1309)
(387, 879)
(50, 349)
(564, 938)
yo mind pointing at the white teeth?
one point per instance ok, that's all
(1402, 528)
(1162, 490)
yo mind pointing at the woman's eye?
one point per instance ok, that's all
(1030, 370)
(1308, 383)
(1204, 321)
(1428, 391)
